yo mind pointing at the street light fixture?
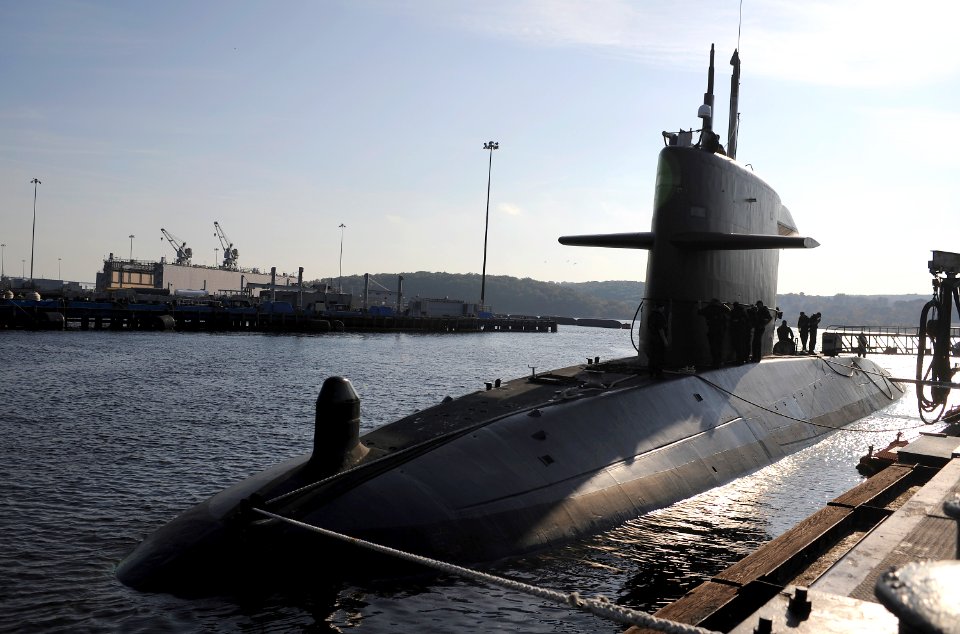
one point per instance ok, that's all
(2, 272)
(489, 145)
(131, 246)
(216, 255)
(35, 181)
(340, 279)
(59, 274)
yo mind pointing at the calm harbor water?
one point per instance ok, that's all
(107, 436)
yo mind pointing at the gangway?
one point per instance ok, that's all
(886, 339)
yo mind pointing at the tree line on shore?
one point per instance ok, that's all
(619, 299)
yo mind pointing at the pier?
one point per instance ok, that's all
(832, 571)
(238, 316)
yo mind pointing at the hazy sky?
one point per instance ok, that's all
(282, 120)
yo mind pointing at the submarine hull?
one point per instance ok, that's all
(589, 462)
(560, 465)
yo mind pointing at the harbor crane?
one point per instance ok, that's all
(229, 253)
(184, 253)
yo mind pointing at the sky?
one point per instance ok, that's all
(283, 120)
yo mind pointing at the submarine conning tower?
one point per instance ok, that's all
(716, 232)
(336, 435)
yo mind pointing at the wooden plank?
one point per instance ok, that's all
(869, 490)
(776, 553)
(695, 606)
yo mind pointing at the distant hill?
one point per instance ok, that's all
(512, 295)
(619, 299)
(855, 310)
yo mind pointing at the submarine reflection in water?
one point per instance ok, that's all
(542, 460)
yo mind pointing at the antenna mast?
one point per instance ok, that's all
(706, 110)
(734, 124)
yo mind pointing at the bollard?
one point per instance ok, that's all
(799, 603)
(765, 626)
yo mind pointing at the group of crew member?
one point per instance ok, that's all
(746, 326)
(807, 325)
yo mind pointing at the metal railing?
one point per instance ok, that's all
(886, 339)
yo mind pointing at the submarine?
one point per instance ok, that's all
(538, 461)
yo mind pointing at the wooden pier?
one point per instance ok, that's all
(822, 575)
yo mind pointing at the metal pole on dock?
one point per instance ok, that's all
(489, 145)
(131, 246)
(33, 235)
(340, 278)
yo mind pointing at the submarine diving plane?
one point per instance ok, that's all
(545, 459)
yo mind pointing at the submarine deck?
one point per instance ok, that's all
(465, 413)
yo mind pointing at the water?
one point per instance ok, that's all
(107, 436)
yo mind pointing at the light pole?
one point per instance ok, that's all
(2, 272)
(489, 145)
(23, 274)
(35, 181)
(340, 279)
(59, 274)
(131, 246)
(216, 254)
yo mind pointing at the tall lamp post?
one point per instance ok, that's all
(33, 235)
(2, 272)
(489, 145)
(131, 246)
(340, 279)
(216, 256)
(59, 274)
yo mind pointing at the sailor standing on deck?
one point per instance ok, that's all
(716, 315)
(803, 325)
(814, 321)
(761, 317)
(656, 340)
(740, 332)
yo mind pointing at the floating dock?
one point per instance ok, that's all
(880, 558)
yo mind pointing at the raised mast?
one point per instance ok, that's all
(706, 110)
(734, 124)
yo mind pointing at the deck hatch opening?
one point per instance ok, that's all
(546, 460)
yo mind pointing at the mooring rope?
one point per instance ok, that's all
(886, 378)
(801, 420)
(887, 390)
(597, 605)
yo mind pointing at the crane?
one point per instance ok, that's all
(229, 253)
(184, 253)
